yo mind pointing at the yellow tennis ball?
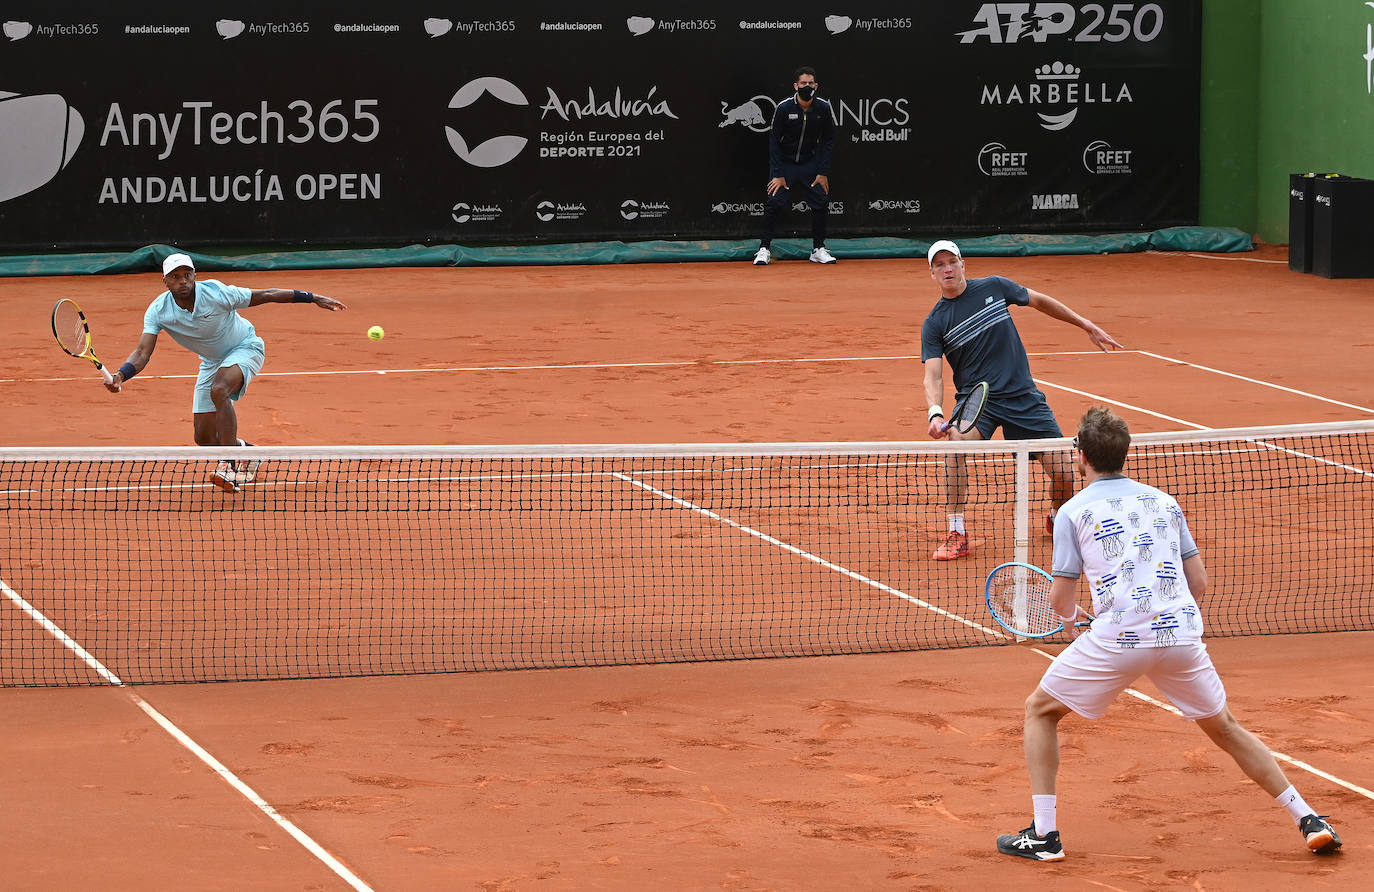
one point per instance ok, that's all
(376, 333)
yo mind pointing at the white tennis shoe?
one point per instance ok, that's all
(763, 257)
(228, 478)
(820, 255)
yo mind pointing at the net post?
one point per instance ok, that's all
(1021, 524)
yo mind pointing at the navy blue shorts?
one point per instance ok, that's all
(1023, 417)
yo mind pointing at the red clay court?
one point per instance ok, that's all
(891, 771)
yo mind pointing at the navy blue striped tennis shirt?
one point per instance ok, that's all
(974, 331)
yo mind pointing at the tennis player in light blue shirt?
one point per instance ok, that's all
(204, 318)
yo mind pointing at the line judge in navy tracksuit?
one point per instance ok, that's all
(799, 149)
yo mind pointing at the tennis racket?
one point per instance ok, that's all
(73, 334)
(969, 409)
(1018, 597)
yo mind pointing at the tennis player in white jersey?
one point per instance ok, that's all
(1145, 574)
(203, 317)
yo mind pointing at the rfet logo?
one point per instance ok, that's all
(499, 149)
(39, 134)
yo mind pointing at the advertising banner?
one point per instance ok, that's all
(420, 122)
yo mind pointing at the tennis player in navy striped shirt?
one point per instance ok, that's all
(971, 326)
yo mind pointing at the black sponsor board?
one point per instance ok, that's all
(417, 122)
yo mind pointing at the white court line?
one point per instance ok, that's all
(1099, 397)
(843, 571)
(1302, 393)
(185, 740)
(1230, 257)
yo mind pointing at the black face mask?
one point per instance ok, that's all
(806, 92)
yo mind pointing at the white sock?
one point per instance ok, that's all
(1294, 803)
(1046, 820)
(956, 523)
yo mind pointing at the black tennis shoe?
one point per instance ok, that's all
(1027, 845)
(1321, 837)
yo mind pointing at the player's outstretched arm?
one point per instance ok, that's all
(291, 296)
(138, 360)
(1056, 309)
(935, 394)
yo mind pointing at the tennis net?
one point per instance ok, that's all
(129, 567)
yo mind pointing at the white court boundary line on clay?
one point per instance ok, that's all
(706, 363)
(186, 741)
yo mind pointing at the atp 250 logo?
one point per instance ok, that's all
(1088, 23)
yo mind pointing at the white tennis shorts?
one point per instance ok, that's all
(1087, 676)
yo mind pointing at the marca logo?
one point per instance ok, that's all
(17, 30)
(631, 209)
(499, 149)
(838, 24)
(1324, 200)
(835, 208)
(1056, 84)
(1100, 158)
(1055, 201)
(1038, 22)
(39, 134)
(639, 25)
(996, 160)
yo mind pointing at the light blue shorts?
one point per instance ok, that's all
(248, 356)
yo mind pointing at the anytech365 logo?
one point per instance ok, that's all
(499, 149)
(39, 134)
(1057, 85)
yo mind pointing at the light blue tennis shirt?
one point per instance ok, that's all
(212, 328)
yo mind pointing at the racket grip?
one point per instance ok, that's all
(105, 373)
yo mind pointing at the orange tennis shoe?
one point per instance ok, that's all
(955, 546)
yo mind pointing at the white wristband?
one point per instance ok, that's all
(1068, 619)
(933, 412)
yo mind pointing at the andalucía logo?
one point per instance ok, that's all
(39, 134)
(499, 149)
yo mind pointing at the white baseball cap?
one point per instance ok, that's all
(942, 245)
(175, 260)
